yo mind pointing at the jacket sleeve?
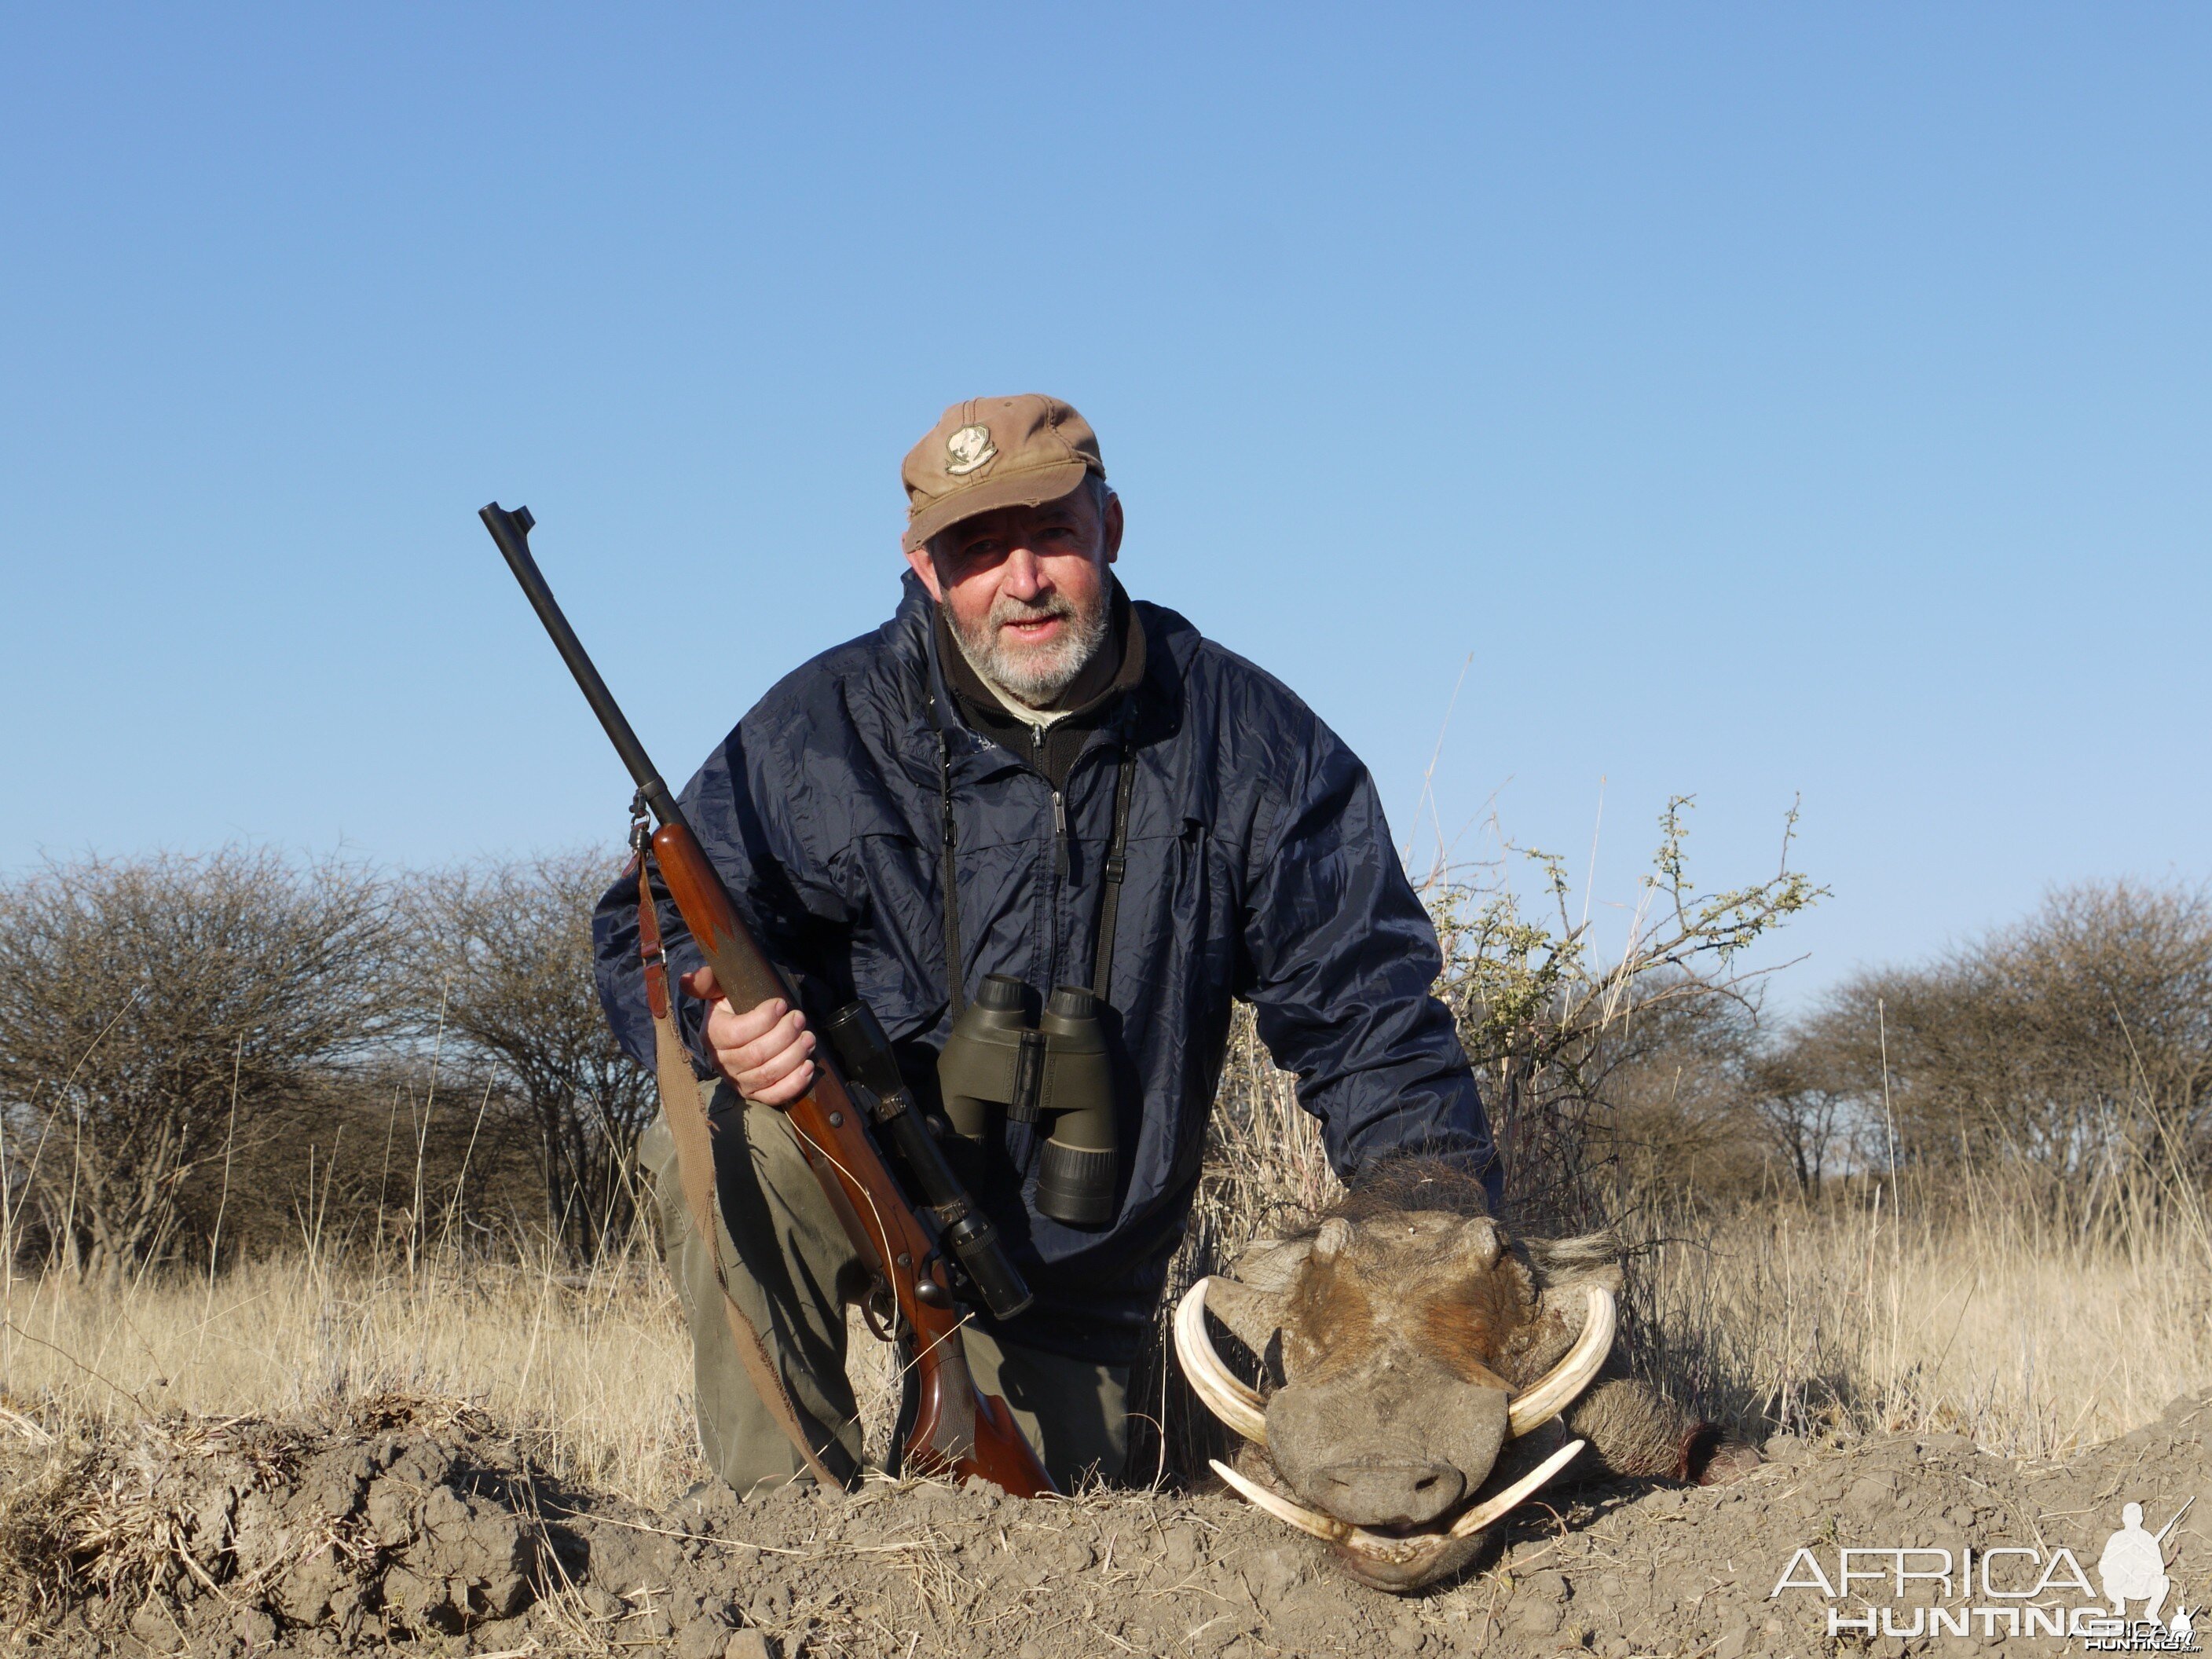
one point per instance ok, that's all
(1341, 957)
(743, 805)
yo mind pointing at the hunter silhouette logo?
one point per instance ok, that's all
(1996, 1590)
(968, 450)
(2133, 1569)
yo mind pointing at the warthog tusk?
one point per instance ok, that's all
(1227, 1398)
(1561, 1386)
(1239, 1406)
(1326, 1527)
(1489, 1510)
(1397, 1551)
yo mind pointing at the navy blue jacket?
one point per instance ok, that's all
(1259, 866)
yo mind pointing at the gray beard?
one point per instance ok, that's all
(1034, 674)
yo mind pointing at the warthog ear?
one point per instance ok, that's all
(1566, 1271)
(1330, 1241)
(1253, 1314)
(1480, 1243)
(1270, 1264)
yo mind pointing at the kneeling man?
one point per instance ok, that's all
(1026, 774)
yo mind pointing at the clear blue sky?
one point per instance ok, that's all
(1774, 399)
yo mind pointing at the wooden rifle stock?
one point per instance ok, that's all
(955, 1430)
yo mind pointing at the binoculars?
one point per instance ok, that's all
(1052, 1071)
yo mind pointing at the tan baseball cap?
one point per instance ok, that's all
(991, 452)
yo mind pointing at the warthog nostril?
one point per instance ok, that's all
(1374, 1491)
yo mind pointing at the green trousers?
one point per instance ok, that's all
(792, 1270)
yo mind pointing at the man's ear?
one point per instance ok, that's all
(924, 567)
(1113, 527)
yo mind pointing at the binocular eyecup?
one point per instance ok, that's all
(1053, 1070)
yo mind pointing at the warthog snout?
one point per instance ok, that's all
(1407, 1347)
(1395, 1443)
(1380, 1492)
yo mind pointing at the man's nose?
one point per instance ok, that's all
(1022, 576)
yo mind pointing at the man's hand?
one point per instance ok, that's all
(763, 1051)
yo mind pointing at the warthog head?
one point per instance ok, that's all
(1403, 1349)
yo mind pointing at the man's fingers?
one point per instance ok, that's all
(766, 1051)
(774, 1025)
(770, 1055)
(774, 1055)
(775, 1070)
(782, 1091)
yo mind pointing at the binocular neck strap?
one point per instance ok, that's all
(1117, 864)
(949, 873)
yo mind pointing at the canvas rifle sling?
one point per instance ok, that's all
(695, 1162)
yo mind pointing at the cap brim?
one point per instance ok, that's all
(1029, 488)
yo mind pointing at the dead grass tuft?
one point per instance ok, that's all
(37, 1482)
(118, 1508)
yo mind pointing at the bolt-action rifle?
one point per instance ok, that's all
(925, 1269)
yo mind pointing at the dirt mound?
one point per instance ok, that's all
(424, 1528)
(399, 1518)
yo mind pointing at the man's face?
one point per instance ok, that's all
(1024, 589)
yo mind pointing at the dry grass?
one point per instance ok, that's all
(594, 1370)
(598, 1369)
(2032, 1341)
(1973, 1311)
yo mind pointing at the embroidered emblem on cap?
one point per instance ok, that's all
(969, 449)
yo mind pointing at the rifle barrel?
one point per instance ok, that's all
(512, 531)
(2176, 1522)
(952, 1425)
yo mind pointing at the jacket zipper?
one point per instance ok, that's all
(1063, 861)
(1060, 859)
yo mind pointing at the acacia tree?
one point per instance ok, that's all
(1805, 1113)
(1565, 1041)
(500, 962)
(1675, 1098)
(153, 1011)
(2078, 1040)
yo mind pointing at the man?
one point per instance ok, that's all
(936, 802)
